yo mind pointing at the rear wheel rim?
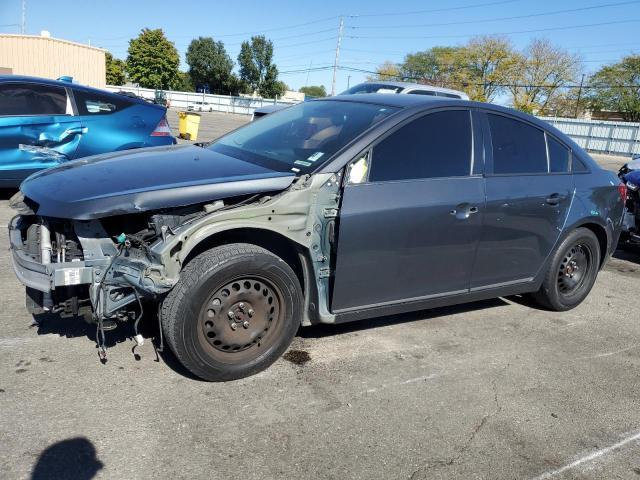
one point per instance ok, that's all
(574, 270)
(241, 319)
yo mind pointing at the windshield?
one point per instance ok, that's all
(300, 138)
(372, 88)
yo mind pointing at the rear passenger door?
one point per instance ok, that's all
(529, 189)
(38, 129)
(409, 231)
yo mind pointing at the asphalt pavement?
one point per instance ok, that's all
(494, 390)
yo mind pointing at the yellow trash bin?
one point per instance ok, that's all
(188, 125)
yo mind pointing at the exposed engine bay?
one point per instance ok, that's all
(107, 269)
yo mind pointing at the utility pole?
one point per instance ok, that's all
(579, 94)
(306, 82)
(24, 17)
(335, 62)
(348, 81)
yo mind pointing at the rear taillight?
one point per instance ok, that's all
(162, 129)
(622, 190)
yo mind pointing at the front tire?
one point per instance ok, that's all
(234, 311)
(572, 271)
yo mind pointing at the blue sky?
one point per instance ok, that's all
(375, 31)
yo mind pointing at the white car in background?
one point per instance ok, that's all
(380, 87)
(405, 88)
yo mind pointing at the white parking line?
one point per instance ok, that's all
(608, 354)
(588, 458)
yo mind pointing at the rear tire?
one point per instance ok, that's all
(571, 272)
(234, 311)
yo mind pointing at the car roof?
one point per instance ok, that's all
(412, 86)
(427, 102)
(74, 86)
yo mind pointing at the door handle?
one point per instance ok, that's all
(463, 211)
(553, 199)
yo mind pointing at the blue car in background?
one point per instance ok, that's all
(45, 122)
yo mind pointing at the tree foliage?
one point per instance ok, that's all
(617, 88)
(483, 66)
(256, 68)
(209, 64)
(314, 91)
(387, 71)
(153, 61)
(539, 73)
(436, 66)
(114, 70)
(489, 66)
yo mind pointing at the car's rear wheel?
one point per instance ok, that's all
(571, 272)
(234, 311)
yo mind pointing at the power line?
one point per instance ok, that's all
(497, 19)
(506, 85)
(434, 10)
(549, 29)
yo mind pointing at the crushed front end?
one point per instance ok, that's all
(100, 269)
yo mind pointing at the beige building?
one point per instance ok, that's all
(43, 56)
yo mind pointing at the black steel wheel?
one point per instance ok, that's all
(571, 272)
(574, 269)
(242, 315)
(234, 311)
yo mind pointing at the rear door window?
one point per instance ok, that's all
(559, 156)
(422, 92)
(33, 99)
(434, 146)
(518, 148)
(95, 103)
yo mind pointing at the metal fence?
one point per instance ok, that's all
(205, 102)
(616, 138)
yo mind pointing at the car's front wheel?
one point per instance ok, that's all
(571, 272)
(234, 311)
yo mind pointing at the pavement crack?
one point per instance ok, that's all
(415, 475)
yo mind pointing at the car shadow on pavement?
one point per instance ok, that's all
(629, 254)
(71, 459)
(72, 327)
(7, 193)
(328, 330)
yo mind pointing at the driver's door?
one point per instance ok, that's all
(410, 230)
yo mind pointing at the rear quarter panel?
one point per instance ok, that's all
(597, 200)
(123, 130)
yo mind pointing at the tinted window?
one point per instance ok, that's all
(372, 88)
(448, 95)
(436, 145)
(95, 103)
(29, 99)
(422, 92)
(517, 147)
(577, 165)
(558, 156)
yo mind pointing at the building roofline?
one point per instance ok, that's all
(40, 37)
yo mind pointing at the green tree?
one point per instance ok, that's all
(256, 68)
(185, 84)
(209, 64)
(483, 67)
(387, 71)
(436, 66)
(617, 88)
(114, 70)
(314, 91)
(153, 60)
(539, 74)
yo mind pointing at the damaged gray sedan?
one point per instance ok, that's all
(329, 211)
